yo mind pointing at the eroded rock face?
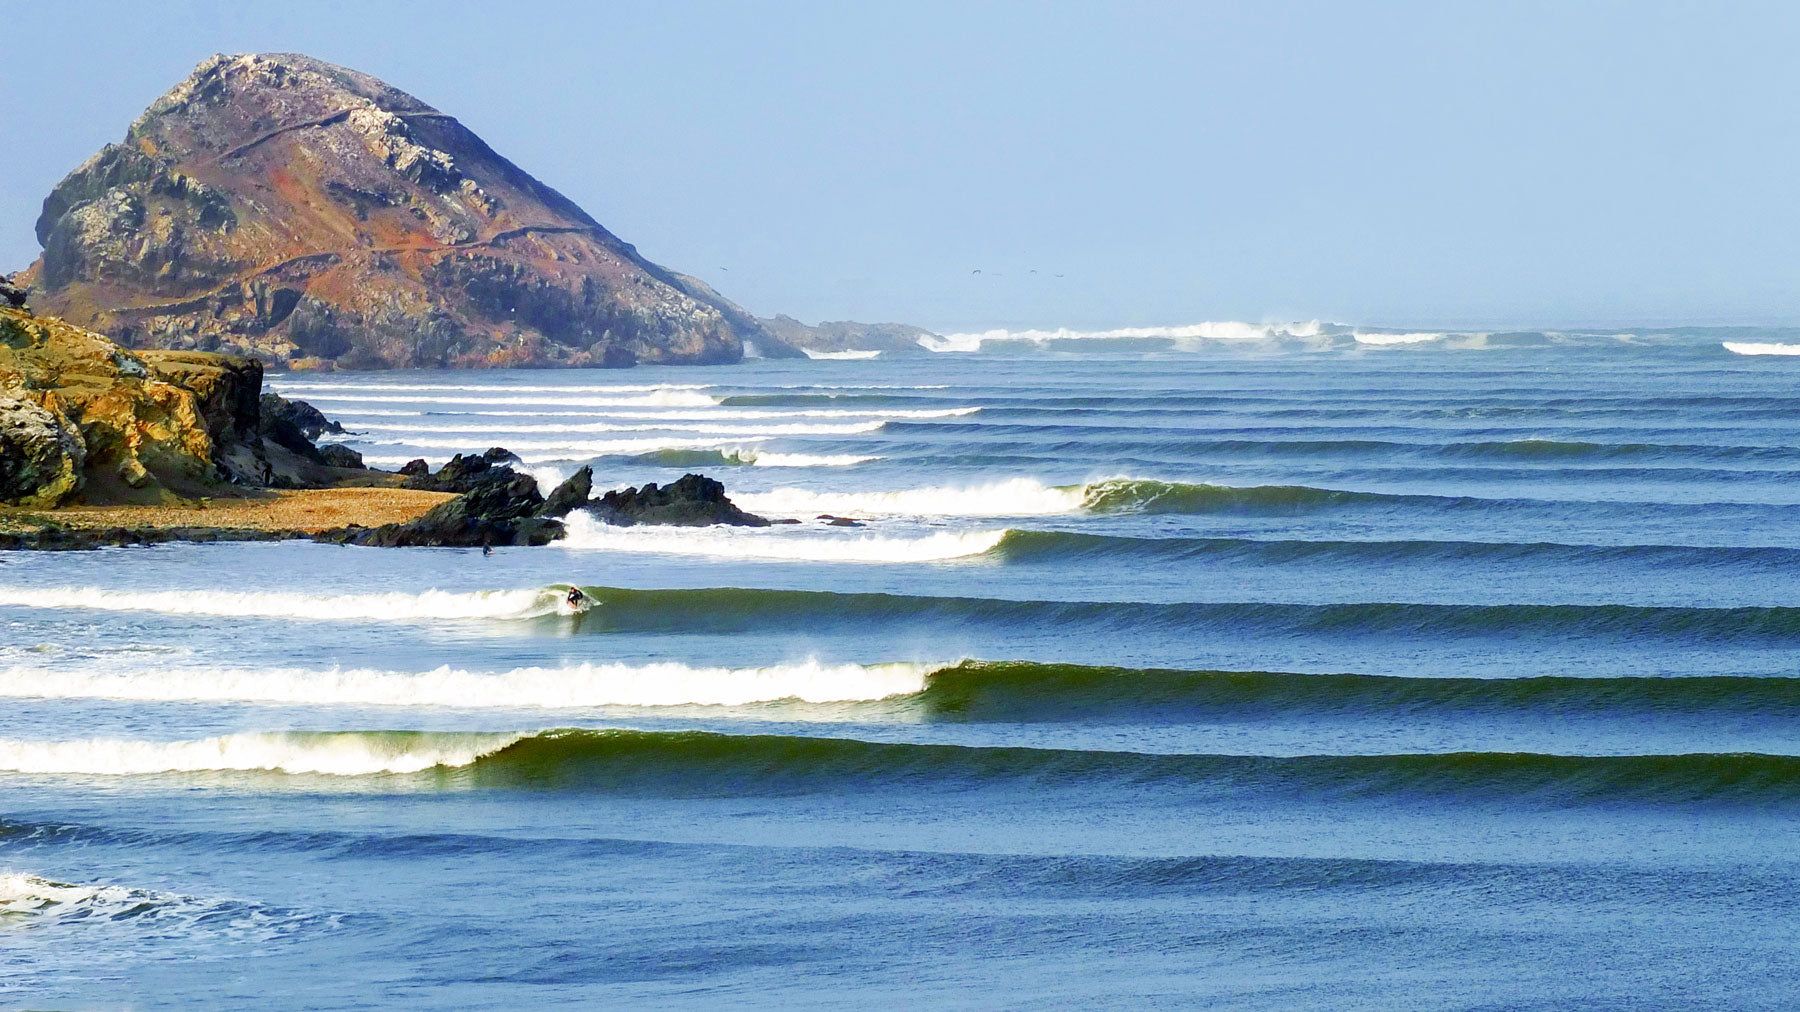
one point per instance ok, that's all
(133, 427)
(282, 207)
(41, 454)
(143, 436)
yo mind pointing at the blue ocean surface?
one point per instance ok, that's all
(1313, 669)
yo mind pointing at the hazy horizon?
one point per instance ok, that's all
(1403, 165)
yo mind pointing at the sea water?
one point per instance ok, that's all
(1254, 668)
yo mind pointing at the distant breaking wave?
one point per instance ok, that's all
(706, 764)
(1210, 331)
(1017, 497)
(498, 395)
(1391, 339)
(1029, 497)
(840, 355)
(746, 457)
(309, 388)
(1748, 348)
(790, 544)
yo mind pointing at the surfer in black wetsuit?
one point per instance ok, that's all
(576, 598)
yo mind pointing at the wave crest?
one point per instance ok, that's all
(776, 544)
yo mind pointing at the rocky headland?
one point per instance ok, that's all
(308, 215)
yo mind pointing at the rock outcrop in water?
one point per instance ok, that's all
(82, 419)
(838, 337)
(496, 506)
(693, 500)
(281, 207)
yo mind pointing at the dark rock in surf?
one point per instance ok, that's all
(339, 455)
(461, 473)
(691, 501)
(500, 509)
(831, 521)
(414, 468)
(297, 415)
(571, 495)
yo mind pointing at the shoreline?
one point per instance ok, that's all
(277, 515)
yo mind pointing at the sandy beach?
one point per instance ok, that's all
(303, 510)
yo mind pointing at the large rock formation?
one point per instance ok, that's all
(842, 337)
(82, 419)
(282, 207)
(693, 500)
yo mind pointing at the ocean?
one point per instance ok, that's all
(1237, 667)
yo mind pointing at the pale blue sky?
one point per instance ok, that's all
(1378, 163)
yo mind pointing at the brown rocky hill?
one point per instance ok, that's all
(309, 215)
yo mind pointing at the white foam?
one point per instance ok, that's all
(763, 458)
(1017, 497)
(1227, 330)
(840, 355)
(1747, 348)
(661, 398)
(791, 543)
(548, 476)
(564, 451)
(351, 418)
(582, 685)
(1382, 340)
(429, 604)
(286, 388)
(401, 433)
(29, 894)
(336, 753)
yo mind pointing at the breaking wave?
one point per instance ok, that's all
(775, 543)
(1750, 348)
(1017, 497)
(661, 397)
(707, 764)
(745, 457)
(336, 753)
(581, 685)
(841, 355)
(396, 606)
(306, 388)
(1228, 330)
(1379, 340)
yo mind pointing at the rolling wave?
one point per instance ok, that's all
(745, 457)
(1030, 691)
(707, 764)
(396, 606)
(580, 685)
(777, 543)
(1030, 497)
(434, 439)
(733, 609)
(306, 388)
(1017, 497)
(661, 397)
(1032, 546)
(335, 753)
